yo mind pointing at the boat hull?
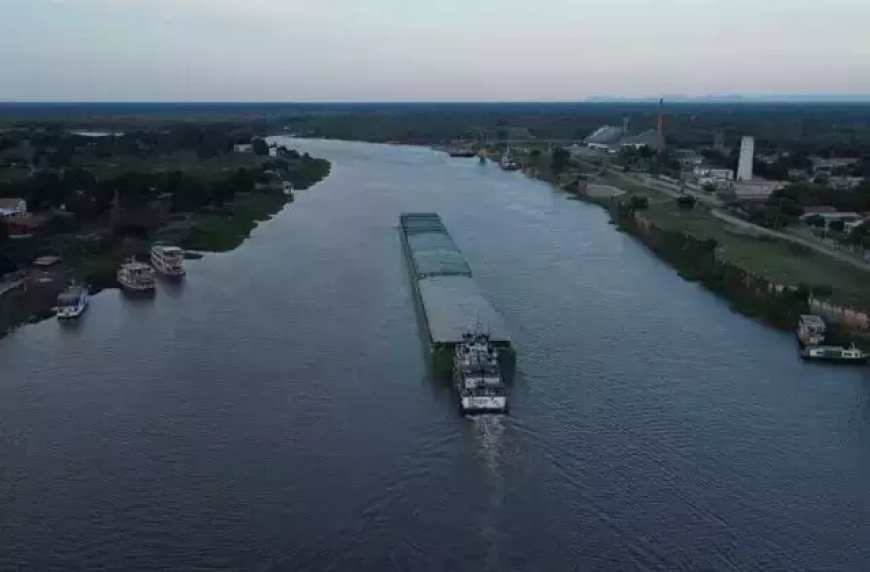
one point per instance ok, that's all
(67, 314)
(136, 290)
(861, 360)
(173, 275)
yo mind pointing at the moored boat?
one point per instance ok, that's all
(168, 260)
(476, 375)
(72, 302)
(461, 152)
(507, 162)
(810, 330)
(135, 276)
(836, 354)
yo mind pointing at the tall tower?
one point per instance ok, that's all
(660, 136)
(747, 154)
(624, 125)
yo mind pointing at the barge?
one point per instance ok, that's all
(446, 296)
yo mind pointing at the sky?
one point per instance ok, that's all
(438, 50)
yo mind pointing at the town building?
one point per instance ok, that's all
(829, 164)
(756, 189)
(13, 207)
(829, 217)
(22, 226)
(604, 138)
(688, 158)
(611, 139)
(850, 225)
(845, 183)
(717, 176)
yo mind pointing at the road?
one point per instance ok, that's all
(809, 243)
(714, 204)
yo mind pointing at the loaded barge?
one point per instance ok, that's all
(446, 296)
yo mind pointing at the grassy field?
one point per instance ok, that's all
(780, 262)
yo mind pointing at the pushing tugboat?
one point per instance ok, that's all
(477, 375)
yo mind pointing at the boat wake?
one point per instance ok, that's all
(489, 433)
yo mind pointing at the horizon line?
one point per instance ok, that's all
(591, 99)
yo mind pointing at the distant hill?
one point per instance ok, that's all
(735, 98)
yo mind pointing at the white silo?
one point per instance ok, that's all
(747, 154)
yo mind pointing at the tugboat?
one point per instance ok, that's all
(477, 376)
(811, 333)
(507, 162)
(136, 277)
(72, 302)
(168, 260)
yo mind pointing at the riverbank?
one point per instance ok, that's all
(92, 256)
(761, 277)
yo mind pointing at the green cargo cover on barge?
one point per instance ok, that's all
(446, 296)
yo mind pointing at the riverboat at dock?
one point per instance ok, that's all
(812, 335)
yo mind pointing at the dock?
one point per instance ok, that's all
(447, 298)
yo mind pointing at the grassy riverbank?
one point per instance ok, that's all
(226, 228)
(746, 268)
(202, 203)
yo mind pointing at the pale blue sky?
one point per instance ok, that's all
(441, 50)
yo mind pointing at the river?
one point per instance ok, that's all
(274, 412)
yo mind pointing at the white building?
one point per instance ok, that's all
(823, 164)
(13, 207)
(851, 225)
(758, 189)
(716, 176)
(604, 138)
(706, 171)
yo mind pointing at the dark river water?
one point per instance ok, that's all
(274, 413)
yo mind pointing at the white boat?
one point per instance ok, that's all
(507, 162)
(72, 302)
(477, 376)
(810, 330)
(837, 354)
(168, 260)
(136, 276)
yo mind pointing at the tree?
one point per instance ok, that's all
(686, 202)
(260, 147)
(560, 160)
(638, 203)
(815, 220)
(837, 225)
(860, 235)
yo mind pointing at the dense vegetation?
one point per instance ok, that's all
(137, 183)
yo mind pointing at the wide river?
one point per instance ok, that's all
(275, 413)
